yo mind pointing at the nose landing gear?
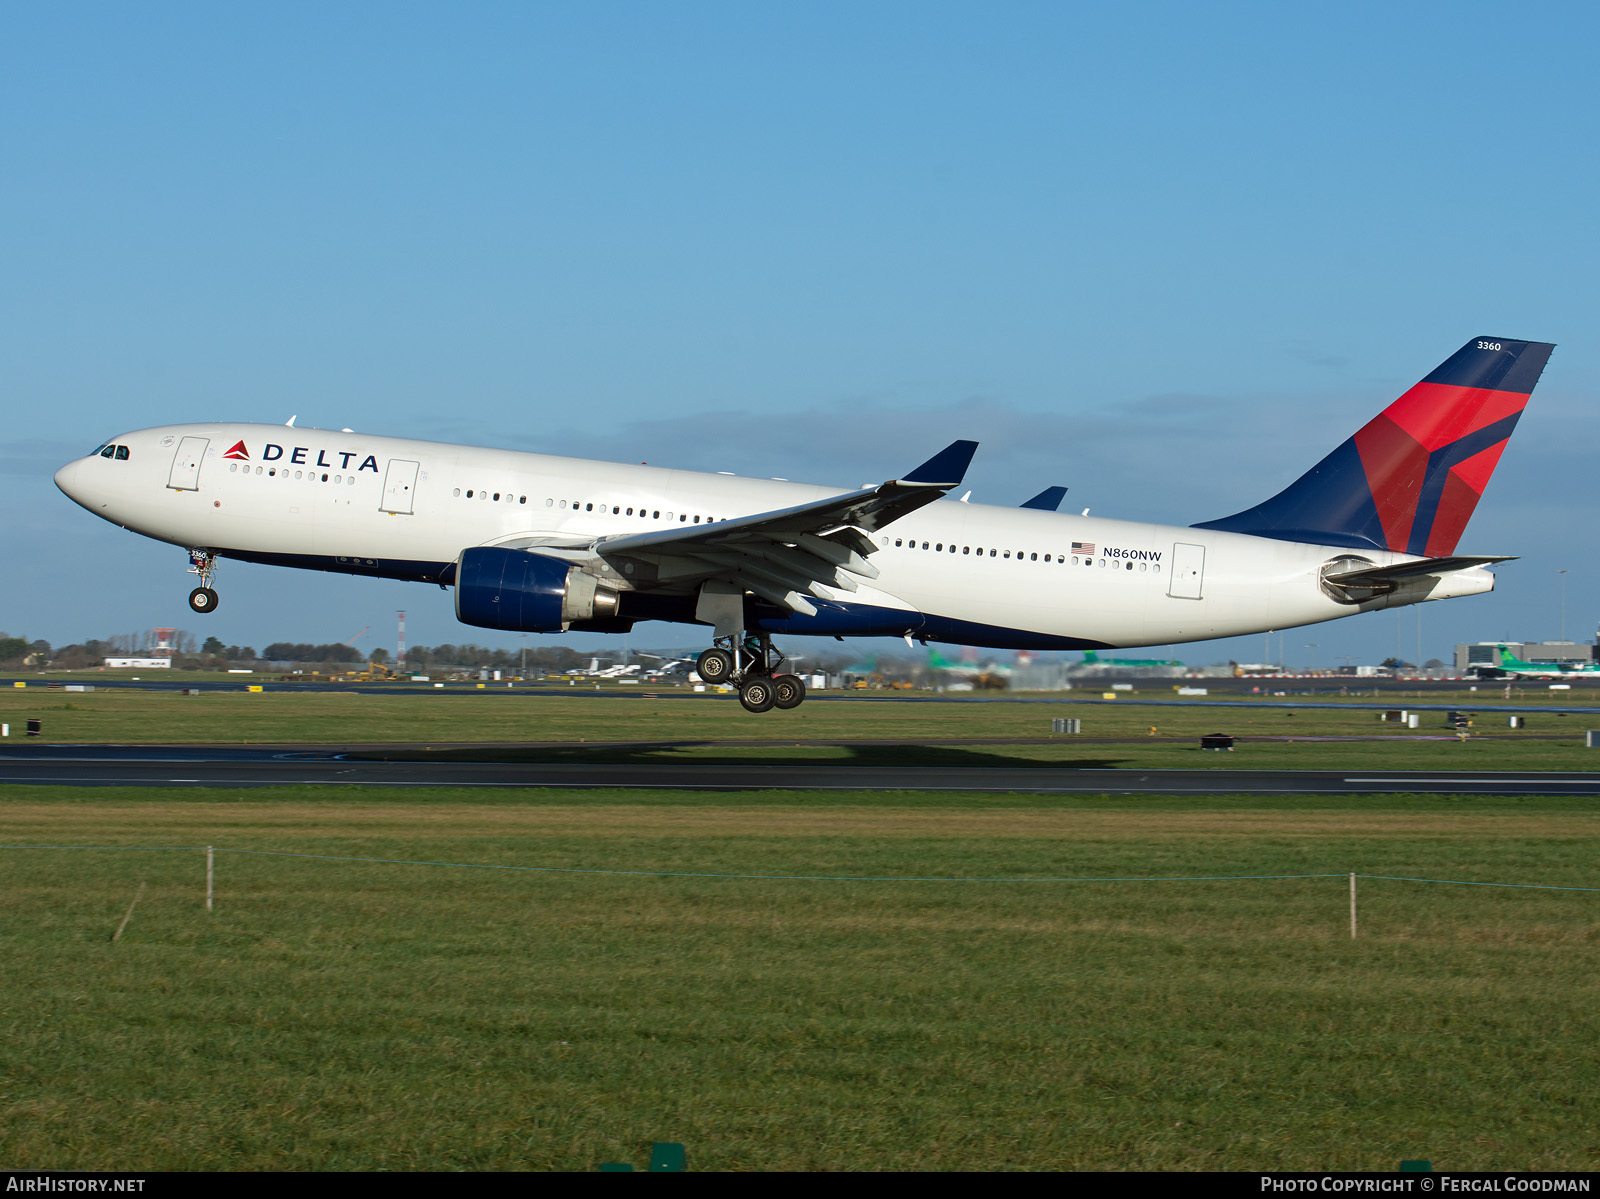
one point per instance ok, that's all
(204, 564)
(752, 664)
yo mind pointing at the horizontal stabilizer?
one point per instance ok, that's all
(1378, 576)
(1047, 500)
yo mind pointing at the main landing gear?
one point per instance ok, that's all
(751, 663)
(204, 564)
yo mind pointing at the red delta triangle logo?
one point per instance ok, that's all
(238, 452)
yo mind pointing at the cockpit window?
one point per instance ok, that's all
(122, 453)
(105, 451)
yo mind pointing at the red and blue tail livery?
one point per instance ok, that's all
(1410, 479)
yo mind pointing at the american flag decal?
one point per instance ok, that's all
(1083, 547)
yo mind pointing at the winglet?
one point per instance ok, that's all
(1048, 500)
(946, 468)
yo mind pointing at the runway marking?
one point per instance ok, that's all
(1581, 780)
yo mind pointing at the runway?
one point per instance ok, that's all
(1579, 703)
(250, 766)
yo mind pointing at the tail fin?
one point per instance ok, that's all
(1410, 479)
(1507, 658)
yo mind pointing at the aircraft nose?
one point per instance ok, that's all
(66, 475)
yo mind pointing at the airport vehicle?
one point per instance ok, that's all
(1513, 667)
(538, 543)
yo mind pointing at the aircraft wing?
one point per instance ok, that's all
(789, 553)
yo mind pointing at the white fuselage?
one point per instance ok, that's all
(957, 571)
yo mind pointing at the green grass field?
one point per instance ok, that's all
(713, 728)
(352, 1015)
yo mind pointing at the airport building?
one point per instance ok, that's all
(1487, 653)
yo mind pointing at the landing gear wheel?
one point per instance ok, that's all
(203, 599)
(787, 692)
(715, 666)
(756, 695)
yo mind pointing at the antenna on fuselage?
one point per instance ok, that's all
(290, 422)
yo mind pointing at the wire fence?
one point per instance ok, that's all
(210, 850)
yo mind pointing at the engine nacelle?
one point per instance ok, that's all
(526, 593)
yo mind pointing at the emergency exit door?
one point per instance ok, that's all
(1188, 571)
(399, 486)
(185, 474)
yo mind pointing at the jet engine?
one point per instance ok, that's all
(530, 593)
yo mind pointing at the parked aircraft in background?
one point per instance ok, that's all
(1090, 658)
(537, 543)
(1512, 666)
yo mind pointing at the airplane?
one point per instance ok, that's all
(1512, 666)
(537, 543)
(1090, 658)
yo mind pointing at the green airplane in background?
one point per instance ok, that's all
(1090, 658)
(1512, 666)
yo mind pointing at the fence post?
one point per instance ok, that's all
(209, 875)
(1352, 905)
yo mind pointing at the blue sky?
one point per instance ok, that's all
(1167, 255)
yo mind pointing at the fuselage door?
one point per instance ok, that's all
(185, 474)
(399, 485)
(1188, 571)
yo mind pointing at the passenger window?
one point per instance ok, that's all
(469, 493)
(966, 549)
(457, 491)
(1033, 557)
(655, 515)
(1008, 553)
